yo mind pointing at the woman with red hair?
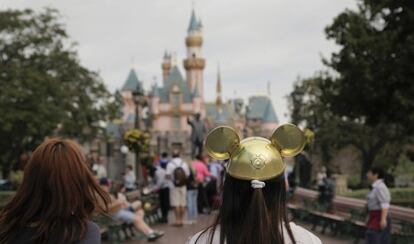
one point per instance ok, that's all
(56, 200)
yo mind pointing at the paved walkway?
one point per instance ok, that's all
(175, 235)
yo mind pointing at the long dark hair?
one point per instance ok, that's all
(250, 215)
(58, 195)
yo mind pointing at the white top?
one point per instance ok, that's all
(100, 171)
(161, 180)
(129, 180)
(177, 162)
(379, 197)
(301, 235)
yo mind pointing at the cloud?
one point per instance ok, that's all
(254, 41)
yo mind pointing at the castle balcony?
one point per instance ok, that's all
(194, 63)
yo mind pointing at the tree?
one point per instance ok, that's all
(44, 90)
(366, 98)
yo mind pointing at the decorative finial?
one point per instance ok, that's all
(219, 99)
(173, 59)
(132, 62)
(268, 89)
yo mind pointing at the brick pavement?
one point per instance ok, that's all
(174, 235)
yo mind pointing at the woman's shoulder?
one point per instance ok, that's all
(203, 237)
(93, 234)
(302, 235)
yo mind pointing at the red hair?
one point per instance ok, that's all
(58, 194)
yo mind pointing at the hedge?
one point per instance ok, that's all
(399, 196)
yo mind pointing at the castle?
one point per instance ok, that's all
(178, 98)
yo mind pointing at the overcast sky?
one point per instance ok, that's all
(253, 41)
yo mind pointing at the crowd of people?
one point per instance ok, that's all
(187, 187)
(62, 190)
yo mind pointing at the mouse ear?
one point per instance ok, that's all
(221, 142)
(289, 140)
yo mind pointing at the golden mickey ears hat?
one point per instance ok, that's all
(255, 158)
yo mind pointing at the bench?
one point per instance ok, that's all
(112, 230)
(349, 215)
(150, 205)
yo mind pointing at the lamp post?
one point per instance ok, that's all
(124, 152)
(138, 97)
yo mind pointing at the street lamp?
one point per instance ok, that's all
(138, 97)
(139, 100)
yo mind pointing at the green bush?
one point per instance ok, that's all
(399, 196)
(354, 182)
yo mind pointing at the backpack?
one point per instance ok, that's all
(180, 178)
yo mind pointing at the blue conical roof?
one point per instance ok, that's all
(194, 23)
(261, 107)
(270, 114)
(131, 82)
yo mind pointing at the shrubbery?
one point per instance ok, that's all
(399, 196)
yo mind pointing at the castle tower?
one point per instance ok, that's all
(166, 66)
(219, 100)
(194, 63)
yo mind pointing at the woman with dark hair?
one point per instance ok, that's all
(56, 200)
(378, 203)
(253, 208)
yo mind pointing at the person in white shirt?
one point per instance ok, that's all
(253, 208)
(99, 169)
(162, 186)
(129, 178)
(178, 172)
(378, 204)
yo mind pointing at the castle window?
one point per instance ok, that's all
(175, 100)
(176, 123)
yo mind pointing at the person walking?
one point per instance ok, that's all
(253, 208)
(178, 172)
(164, 160)
(378, 203)
(163, 186)
(192, 192)
(56, 199)
(202, 173)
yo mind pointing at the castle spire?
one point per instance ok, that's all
(194, 64)
(219, 100)
(166, 65)
(195, 25)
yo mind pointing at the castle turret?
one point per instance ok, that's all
(166, 66)
(219, 100)
(194, 63)
(155, 99)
